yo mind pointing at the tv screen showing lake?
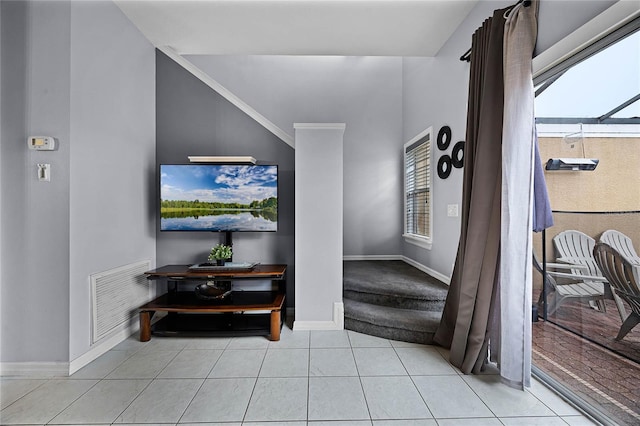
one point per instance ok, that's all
(237, 221)
(215, 197)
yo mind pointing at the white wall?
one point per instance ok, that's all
(35, 219)
(112, 187)
(319, 226)
(363, 92)
(1, 245)
(435, 92)
(559, 18)
(78, 72)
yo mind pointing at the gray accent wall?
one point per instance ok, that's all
(193, 119)
(365, 93)
(79, 72)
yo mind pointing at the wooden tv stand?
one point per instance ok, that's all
(191, 316)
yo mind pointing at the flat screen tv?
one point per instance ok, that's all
(218, 197)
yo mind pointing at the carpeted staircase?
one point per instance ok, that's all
(392, 299)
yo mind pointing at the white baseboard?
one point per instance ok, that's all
(102, 347)
(435, 274)
(373, 257)
(314, 325)
(336, 324)
(34, 369)
(338, 315)
(65, 369)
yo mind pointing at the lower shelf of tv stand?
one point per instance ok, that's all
(234, 315)
(211, 325)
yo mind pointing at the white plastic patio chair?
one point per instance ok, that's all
(622, 244)
(624, 278)
(576, 248)
(572, 287)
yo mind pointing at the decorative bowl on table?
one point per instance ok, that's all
(212, 291)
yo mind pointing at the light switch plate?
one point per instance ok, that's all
(452, 210)
(44, 172)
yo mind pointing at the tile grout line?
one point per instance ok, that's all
(99, 380)
(413, 382)
(255, 384)
(151, 380)
(45, 381)
(71, 403)
(199, 387)
(364, 395)
(495, 416)
(215, 363)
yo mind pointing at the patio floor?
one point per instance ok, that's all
(599, 327)
(602, 371)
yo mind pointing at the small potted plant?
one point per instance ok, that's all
(219, 254)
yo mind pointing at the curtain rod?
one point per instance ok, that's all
(467, 55)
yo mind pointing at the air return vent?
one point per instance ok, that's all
(115, 296)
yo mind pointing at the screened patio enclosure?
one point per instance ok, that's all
(588, 112)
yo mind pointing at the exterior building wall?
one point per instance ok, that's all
(593, 201)
(614, 185)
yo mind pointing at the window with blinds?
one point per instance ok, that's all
(417, 183)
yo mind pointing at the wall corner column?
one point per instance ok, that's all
(319, 226)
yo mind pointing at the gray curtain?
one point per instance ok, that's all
(474, 282)
(487, 314)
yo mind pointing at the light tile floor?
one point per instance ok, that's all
(318, 378)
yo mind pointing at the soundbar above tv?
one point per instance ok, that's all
(218, 197)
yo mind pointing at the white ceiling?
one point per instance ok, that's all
(299, 27)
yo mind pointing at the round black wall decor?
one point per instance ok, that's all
(444, 167)
(457, 155)
(444, 138)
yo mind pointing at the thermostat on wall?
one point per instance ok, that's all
(41, 143)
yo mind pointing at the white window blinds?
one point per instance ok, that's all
(417, 166)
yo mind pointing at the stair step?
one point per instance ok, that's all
(407, 325)
(393, 283)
